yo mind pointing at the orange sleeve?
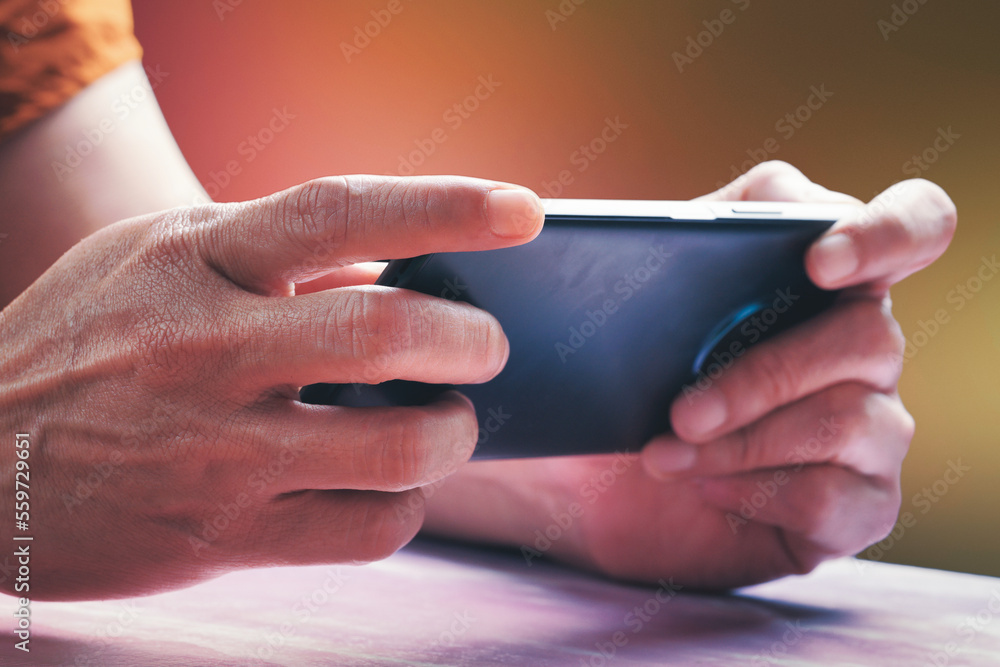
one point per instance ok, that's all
(51, 49)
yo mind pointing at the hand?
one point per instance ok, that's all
(791, 456)
(155, 369)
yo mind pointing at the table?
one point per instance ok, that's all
(439, 603)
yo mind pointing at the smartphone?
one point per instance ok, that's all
(615, 309)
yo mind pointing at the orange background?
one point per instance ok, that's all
(227, 72)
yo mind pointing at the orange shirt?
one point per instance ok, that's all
(52, 49)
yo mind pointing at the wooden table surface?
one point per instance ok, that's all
(438, 603)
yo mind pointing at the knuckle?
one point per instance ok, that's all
(747, 449)
(172, 244)
(880, 338)
(769, 177)
(945, 219)
(773, 169)
(386, 523)
(376, 328)
(893, 348)
(886, 513)
(315, 215)
(877, 429)
(482, 340)
(305, 208)
(893, 413)
(934, 197)
(774, 375)
(395, 452)
(852, 405)
(825, 504)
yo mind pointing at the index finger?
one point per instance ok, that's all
(777, 181)
(269, 244)
(900, 232)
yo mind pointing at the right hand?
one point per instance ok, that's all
(156, 369)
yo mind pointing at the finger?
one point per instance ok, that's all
(315, 527)
(900, 232)
(824, 510)
(847, 425)
(297, 446)
(304, 232)
(365, 273)
(798, 362)
(777, 181)
(365, 334)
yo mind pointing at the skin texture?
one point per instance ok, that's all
(155, 367)
(161, 359)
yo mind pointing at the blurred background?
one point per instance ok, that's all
(264, 95)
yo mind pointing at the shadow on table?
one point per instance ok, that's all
(444, 603)
(598, 621)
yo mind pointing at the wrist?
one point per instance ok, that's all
(529, 504)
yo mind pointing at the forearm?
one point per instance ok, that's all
(93, 161)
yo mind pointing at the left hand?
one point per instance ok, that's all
(791, 457)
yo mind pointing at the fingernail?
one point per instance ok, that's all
(836, 258)
(514, 213)
(702, 415)
(664, 460)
